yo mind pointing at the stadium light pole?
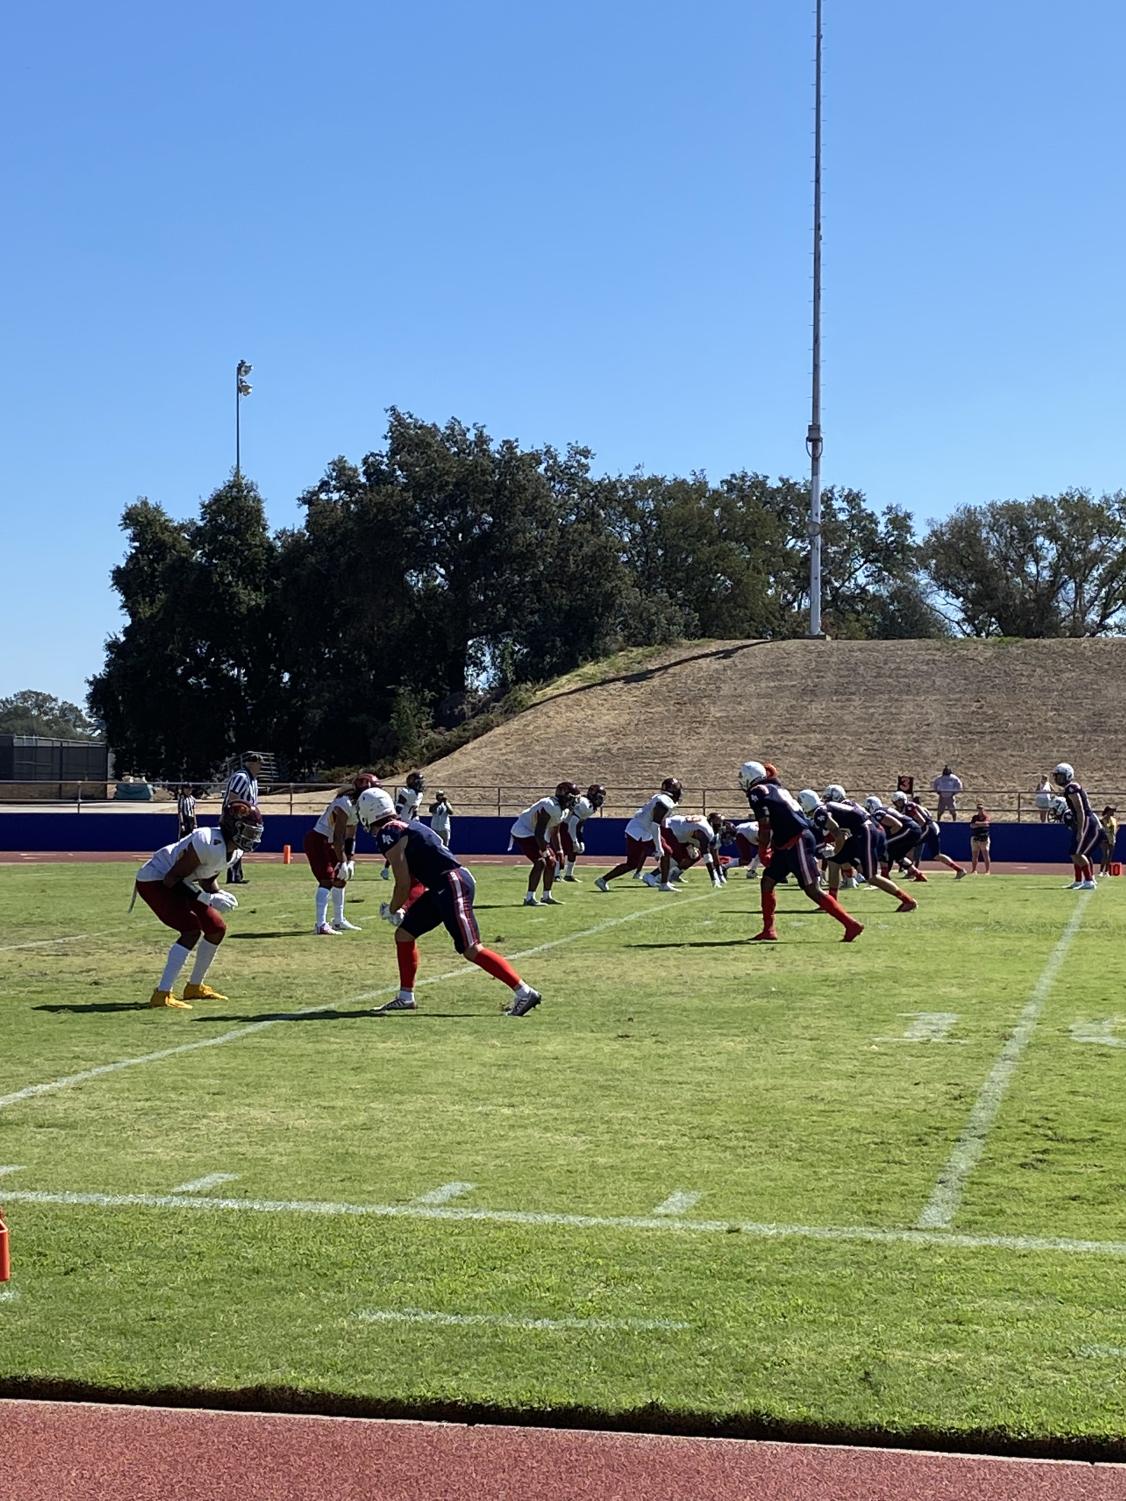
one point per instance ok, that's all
(813, 440)
(242, 388)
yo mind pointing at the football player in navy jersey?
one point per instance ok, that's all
(859, 842)
(417, 857)
(903, 835)
(793, 850)
(1085, 826)
(928, 845)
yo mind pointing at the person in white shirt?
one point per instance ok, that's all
(180, 883)
(947, 786)
(645, 835)
(441, 821)
(745, 836)
(535, 834)
(328, 848)
(408, 805)
(571, 829)
(693, 837)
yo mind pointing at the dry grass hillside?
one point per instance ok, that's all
(860, 712)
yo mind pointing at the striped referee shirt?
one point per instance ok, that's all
(241, 787)
(185, 806)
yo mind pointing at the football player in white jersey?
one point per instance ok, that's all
(693, 838)
(535, 834)
(571, 829)
(745, 837)
(408, 805)
(328, 849)
(645, 835)
(181, 884)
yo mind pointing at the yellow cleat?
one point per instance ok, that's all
(202, 993)
(166, 998)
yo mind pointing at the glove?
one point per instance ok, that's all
(580, 847)
(222, 901)
(394, 918)
(346, 870)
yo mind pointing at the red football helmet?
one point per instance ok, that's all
(672, 786)
(596, 794)
(566, 793)
(241, 825)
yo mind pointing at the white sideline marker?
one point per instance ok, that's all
(445, 1193)
(946, 1197)
(201, 1185)
(509, 1321)
(753, 1230)
(30, 1091)
(678, 1203)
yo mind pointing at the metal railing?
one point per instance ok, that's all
(1004, 805)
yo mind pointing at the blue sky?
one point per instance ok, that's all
(585, 222)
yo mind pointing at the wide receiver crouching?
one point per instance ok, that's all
(418, 857)
(181, 884)
(329, 846)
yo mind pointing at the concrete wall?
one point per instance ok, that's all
(1030, 843)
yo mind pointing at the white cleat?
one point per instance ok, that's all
(1074, 886)
(1088, 885)
(344, 926)
(666, 886)
(601, 884)
(325, 930)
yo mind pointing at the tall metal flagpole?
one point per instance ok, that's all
(242, 388)
(813, 442)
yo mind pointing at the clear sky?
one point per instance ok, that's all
(587, 221)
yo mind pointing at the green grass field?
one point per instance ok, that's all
(874, 1189)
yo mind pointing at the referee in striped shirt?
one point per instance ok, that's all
(243, 786)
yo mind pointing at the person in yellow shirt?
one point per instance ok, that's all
(1109, 822)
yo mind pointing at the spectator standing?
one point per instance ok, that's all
(242, 786)
(441, 820)
(1044, 797)
(979, 840)
(1108, 821)
(947, 786)
(185, 810)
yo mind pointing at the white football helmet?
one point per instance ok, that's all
(872, 803)
(1058, 807)
(374, 805)
(899, 799)
(1063, 774)
(834, 793)
(751, 773)
(809, 800)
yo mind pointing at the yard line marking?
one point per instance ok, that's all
(9, 1294)
(41, 943)
(1098, 1032)
(508, 1321)
(13, 1167)
(444, 1194)
(871, 1234)
(197, 1185)
(946, 1197)
(926, 1026)
(30, 1091)
(1115, 1352)
(678, 1203)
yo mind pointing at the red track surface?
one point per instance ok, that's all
(92, 1452)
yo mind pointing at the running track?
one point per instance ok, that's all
(93, 1452)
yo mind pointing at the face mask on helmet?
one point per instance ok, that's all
(899, 799)
(673, 787)
(596, 795)
(566, 793)
(872, 805)
(808, 800)
(373, 806)
(834, 793)
(242, 825)
(1063, 774)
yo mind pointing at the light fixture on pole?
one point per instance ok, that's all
(813, 440)
(242, 388)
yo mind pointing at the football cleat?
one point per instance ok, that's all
(600, 884)
(959, 873)
(1073, 885)
(768, 935)
(202, 993)
(344, 926)
(576, 880)
(665, 886)
(166, 999)
(908, 904)
(917, 875)
(547, 900)
(1088, 885)
(521, 1005)
(530, 899)
(399, 1003)
(325, 930)
(752, 875)
(852, 932)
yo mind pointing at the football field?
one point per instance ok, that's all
(873, 1189)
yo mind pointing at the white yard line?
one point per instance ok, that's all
(463, 972)
(445, 1193)
(42, 943)
(201, 1185)
(678, 1203)
(872, 1234)
(507, 1321)
(8, 1294)
(946, 1198)
(11, 1167)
